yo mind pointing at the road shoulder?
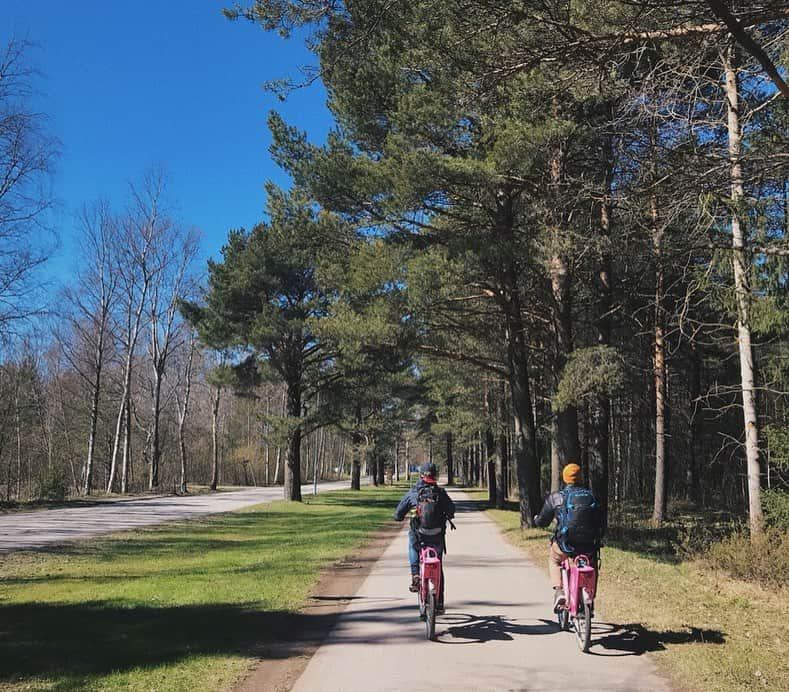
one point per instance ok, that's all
(281, 662)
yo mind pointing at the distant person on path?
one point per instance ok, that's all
(579, 524)
(430, 508)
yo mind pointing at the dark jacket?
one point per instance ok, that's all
(550, 509)
(409, 501)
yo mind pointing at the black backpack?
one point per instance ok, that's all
(580, 525)
(430, 518)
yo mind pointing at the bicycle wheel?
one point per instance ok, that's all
(583, 627)
(563, 617)
(430, 616)
(421, 604)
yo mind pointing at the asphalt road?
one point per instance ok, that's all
(25, 530)
(498, 632)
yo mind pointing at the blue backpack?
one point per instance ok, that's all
(580, 525)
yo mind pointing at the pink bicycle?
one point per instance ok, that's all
(429, 587)
(579, 578)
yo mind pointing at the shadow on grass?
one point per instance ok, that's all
(333, 500)
(635, 640)
(74, 642)
(76, 645)
(658, 544)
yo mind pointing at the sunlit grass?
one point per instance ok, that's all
(173, 607)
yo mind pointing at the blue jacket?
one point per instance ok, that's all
(409, 501)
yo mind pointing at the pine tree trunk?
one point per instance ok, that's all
(564, 433)
(292, 486)
(556, 461)
(450, 462)
(277, 475)
(600, 409)
(356, 468)
(502, 460)
(742, 292)
(659, 508)
(491, 457)
(527, 470)
(524, 449)
(492, 460)
(694, 423)
(356, 443)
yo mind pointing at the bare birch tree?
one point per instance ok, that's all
(183, 391)
(742, 291)
(174, 252)
(144, 221)
(90, 316)
(27, 155)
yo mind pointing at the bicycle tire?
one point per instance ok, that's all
(563, 618)
(430, 616)
(583, 627)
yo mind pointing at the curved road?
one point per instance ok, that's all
(26, 530)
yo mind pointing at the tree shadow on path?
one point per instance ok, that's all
(478, 629)
(609, 639)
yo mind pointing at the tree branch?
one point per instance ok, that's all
(463, 358)
(744, 39)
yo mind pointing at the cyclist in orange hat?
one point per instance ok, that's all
(579, 525)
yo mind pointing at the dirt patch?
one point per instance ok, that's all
(284, 656)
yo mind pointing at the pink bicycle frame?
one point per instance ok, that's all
(429, 570)
(580, 579)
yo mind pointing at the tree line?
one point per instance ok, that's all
(582, 207)
(540, 232)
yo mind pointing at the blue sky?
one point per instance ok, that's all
(130, 85)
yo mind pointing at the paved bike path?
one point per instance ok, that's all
(26, 530)
(498, 632)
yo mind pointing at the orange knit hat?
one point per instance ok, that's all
(572, 474)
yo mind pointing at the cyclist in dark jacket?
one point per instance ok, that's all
(551, 509)
(408, 505)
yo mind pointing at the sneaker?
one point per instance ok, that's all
(414, 586)
(559, 599)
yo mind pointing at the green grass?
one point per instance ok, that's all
(179, 606)
(707, 630)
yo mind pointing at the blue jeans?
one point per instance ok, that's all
(413, 554)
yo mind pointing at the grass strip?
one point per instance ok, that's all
(179, 606)
(706, 630)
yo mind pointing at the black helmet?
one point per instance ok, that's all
(428, 469)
